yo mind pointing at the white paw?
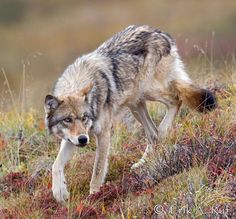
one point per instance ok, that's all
(60, 193)
(138, 164)
(93, 190)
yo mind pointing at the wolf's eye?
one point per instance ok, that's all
(84, 117)
(68, 120)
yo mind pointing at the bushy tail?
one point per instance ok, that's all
(196, 98)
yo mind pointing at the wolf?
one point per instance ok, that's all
(136, 65)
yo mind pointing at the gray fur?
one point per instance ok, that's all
(136, 65)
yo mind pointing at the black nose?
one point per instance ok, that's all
(82, 139)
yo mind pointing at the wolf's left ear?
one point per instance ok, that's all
(51, 103)
(84, 92)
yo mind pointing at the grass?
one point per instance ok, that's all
(192, 174)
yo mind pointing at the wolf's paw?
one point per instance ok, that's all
(60, 193)
(93, 190)
(139, 164)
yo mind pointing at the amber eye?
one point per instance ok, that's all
(84, 118)
(68, 120)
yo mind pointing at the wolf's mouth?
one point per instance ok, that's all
(77, 145)
(81, 145)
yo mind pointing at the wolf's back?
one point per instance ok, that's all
(138, 41)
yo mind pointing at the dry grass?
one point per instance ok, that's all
(52, 34)
(193, 173)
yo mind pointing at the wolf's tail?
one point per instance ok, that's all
(196, 98)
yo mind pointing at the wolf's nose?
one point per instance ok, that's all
(83, 139)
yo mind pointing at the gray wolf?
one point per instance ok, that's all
(136, 65)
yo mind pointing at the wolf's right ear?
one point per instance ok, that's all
(51, 103)
(84, 92)
(86, 89)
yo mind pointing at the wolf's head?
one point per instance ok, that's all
(68, 117)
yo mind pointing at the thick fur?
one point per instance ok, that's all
(196, 98)
(136, 65)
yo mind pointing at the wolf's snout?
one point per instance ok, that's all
(83, 140)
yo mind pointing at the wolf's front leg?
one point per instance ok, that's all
(59, 188)
(101, 160)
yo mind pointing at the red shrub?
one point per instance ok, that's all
(15, 183)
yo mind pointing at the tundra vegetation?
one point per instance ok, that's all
(193, 172)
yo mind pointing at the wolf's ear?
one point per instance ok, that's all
(86, 90)
(51, 103)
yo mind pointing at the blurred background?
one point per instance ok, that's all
(38, 39)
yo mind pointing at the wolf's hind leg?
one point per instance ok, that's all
(168, 119)
(140, 112)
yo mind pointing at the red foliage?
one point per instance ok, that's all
(133, 146)
(222, 162)
(87, 212)
(107, 194)
(219, 159)
(45, 201)
(232, 132)
(15, 183)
